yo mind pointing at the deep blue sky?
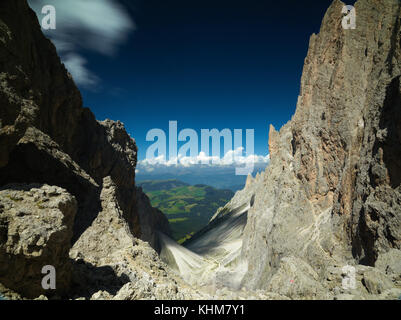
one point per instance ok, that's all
(208, 64)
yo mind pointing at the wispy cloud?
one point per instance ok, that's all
(97, 25)
(76, 65)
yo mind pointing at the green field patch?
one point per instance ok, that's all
(177, 220)
(188, 208)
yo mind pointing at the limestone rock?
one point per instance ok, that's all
(35, 230)
(330, 197)
(47, 137)
(390, 263)
(376, 282)
(108, 258)
(331, 194)
(297, 280)
(101, 295)
(109, 233)
(249, 180)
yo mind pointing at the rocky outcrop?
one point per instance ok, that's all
(109, 233)
(331, 194)
(131, 268)
(45, 131)
(46, 135)
(35, 230)
(48, 138)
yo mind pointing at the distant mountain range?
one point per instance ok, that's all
(216, 177)
(188, 208)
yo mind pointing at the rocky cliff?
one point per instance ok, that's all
(329, 202)
(331, 195)
(327, 208)
(48, 139)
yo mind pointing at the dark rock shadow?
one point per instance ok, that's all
(391, 121)
(88, 279)
(28, 164)
(385, 171)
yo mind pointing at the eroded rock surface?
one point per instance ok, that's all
(48, 138)
(35, 230)
(125, 267)
(329, 201)
(331, 194)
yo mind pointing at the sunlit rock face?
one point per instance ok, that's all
(35, 231)
(331, 194)
(329, 202)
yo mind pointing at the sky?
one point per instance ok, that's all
(205, 64)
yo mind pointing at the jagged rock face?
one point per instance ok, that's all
(47, 137)
(37, 93)
(331, 194)
(109, 232)
(329, 198)
(134, 269)
(35, 230)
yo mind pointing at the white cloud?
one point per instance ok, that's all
(233, 158)
(97, 25)
(76, 65)
(220, 174)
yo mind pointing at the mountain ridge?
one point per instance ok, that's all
(330, 196)
(329, 201)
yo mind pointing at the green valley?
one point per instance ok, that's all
(188, 208)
